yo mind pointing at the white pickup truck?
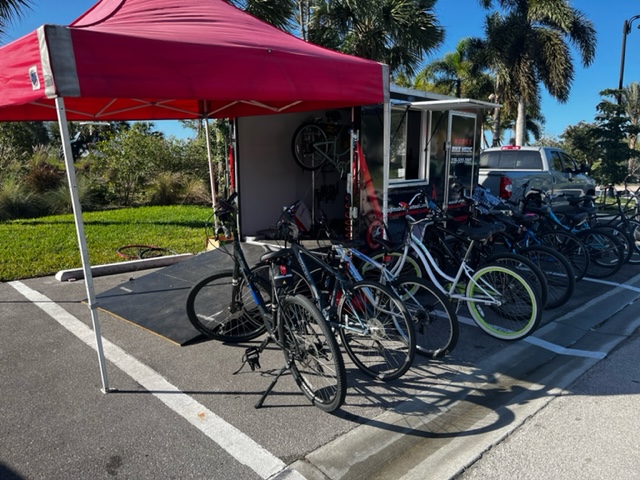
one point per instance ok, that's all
(503, 170)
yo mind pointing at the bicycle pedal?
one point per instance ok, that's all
(252, 356)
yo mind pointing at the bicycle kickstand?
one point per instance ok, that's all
(286, 367)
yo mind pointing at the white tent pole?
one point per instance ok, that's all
(211, 173)
(386, 156)
(82, 240)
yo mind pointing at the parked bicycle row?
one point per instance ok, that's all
(508, 263)
(302, 299)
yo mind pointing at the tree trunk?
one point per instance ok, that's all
(495, 128)
(521, 122)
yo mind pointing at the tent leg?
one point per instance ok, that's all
(386, 156)
(211, 172)
(82, 240)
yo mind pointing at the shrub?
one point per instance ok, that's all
(17, 201)
(165, 189)
(196, 192)
(91, 196)
(41, 175)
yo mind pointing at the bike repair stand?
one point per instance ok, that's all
(252, 357)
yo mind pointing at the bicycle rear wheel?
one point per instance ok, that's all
(557, 270)
(226, 312)
(308, 146)
(312, 352)
(376, 330)
(502, 303)
(434, 318)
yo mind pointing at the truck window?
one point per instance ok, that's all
(568, 162)
(556, 161)
(489, 159)
(511, 160)
(529, 160)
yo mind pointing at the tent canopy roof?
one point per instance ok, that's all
(172, 59)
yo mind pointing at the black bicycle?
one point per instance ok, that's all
(375, 327)
(242, 304)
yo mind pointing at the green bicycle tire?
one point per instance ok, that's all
(518, 313)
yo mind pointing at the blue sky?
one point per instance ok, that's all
(463, 18)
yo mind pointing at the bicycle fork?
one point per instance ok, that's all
(280, 278)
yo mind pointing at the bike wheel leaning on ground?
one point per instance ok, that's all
(387, 349)
(434, 318)
(311, 352)
(519, 312)
(606, 254)
(226, 312)
(559, 274)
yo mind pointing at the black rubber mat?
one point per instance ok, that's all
(156, 301)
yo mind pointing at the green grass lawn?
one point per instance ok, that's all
(43, 246)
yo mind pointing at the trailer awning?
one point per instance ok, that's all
(454, 104)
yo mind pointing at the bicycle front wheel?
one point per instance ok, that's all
(412, 266)
(558, 272)
(376, 330)
(521, 264)
(309, 146)
(434, 318)
(606, 255)
(571, 247)
(632, 228)
(226, 312)
(622, 237)
(312, 352)
(502, 303)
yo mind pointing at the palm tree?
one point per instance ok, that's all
(630, 102)
(10, 10)
(396, 32)
(457, 73)
(278, 13)
(529, 45)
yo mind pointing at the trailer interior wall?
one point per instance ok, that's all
(268, 177)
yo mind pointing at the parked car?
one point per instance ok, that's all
(503, 170)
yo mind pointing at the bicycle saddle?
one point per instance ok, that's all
(540, 211)
(575, 218)
(275, 255)
(479, 233)
(526, 219)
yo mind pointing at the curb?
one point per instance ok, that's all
(122, 267)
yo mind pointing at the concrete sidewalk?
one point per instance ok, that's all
(591, 431)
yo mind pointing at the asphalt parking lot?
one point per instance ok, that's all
(181, 412)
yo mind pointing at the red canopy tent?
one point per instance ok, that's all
(171, 59)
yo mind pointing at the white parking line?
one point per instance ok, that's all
(546, 345)
(563, 350)
(233, 441)
(613, 284)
